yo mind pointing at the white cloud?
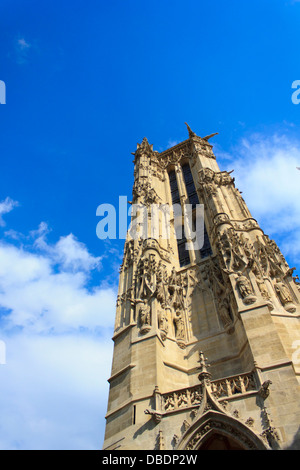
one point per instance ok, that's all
(57, 329)
(54, 392)
(47, 292)
(266, 174)
(22, 44)
(21, 50)
(6, 206)
(68, 251)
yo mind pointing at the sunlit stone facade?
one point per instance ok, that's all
(206, 340)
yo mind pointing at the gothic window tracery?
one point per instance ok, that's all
(206, 250)
(174, 187)
(190, 186)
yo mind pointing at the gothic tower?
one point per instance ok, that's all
(207, 337)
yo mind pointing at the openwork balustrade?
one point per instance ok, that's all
(223, 388)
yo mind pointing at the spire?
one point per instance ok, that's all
(204, 374)
(143, 148)
(145, 145)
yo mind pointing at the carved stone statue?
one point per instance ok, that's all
(224, 312)
(245, 288)
(179, 326)
(264, 291)
(284, 296)
(175, 290)
(221, 294)
(146, 278)
(161, 281)
(262, 287)
(145, 318)
(283, 292)
(163, 324)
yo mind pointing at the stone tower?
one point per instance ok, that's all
(206, 340)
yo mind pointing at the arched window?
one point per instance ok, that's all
(206, 250)
(190, 186)
(194, 200)
(174, 187)
(183, 254)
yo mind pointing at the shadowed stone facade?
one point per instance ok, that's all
(204, 341)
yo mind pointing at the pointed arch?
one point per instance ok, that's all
(212, 425)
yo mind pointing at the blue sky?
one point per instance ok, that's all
(86, 81)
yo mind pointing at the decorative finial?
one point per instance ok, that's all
(144, 147)
(204, 374)
(144, 143)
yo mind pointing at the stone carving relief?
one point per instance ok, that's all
(144, 193)
(236, 250)
(174, 155)
(234, 385)
(269, 434)
(273, 266)
(145, 285)
(155, 285)
(130, 254)
(210, 180)
(175, 291)
(263, 258)
(207, 181)
(222, 218)
(220, 289)
(211, 184)
(238, 254)
(182, 399)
